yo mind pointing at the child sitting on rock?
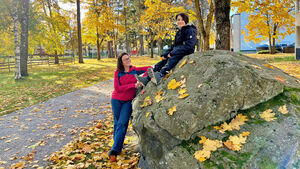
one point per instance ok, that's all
(184, 44)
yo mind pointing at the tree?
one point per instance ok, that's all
(24, 36)
(268, 19)
(158, 20)
(80, 58)
(18, 74)
(222, 12)
(204, 28)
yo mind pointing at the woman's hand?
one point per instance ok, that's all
(138, 85)
(169, 55)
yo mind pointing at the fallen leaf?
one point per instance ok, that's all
(158, 96)
(267, 115)
(147, 114)
(199, 86)
(235, 142)
(147, 102)
(181, 91)
(283, 109)
(234, 124)
(183, 63)
(172, 110)
(173, 84)
(192, 61)
(208, 147)
(269, 66)
(18, 165)
(281, 79)
(182, 96)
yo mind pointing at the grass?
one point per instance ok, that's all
(45, 82)
(283, 61)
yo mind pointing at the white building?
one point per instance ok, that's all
(239, 21)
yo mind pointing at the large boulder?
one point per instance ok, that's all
(220, 85)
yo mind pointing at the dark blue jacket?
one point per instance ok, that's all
(185, 41)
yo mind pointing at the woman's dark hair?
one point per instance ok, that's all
(120, 65)
(184, 16)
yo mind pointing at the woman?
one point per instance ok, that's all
(125, 86)
(184, 44)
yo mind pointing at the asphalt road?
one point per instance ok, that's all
(46, 127)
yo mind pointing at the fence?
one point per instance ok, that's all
(33, 60)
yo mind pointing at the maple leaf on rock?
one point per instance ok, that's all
(172, 110)
(183, 63)
(208, 147)
(234, 124)
(235, 142)
(283, 109)
(267, 115)
(173, 84)
(158, 96)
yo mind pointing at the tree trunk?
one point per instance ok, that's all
(56, 60)
(98, 46)
(206, 43)
(204, 29)
(141, 38)
(222, 11)
(24, 36)
(126, 31)
(159, 41)
(79, 33)
(151, 47)
(16, 39)
(109, 49)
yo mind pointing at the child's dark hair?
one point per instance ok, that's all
(120, 65)
(184, 16)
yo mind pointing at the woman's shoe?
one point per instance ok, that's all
(113, 155)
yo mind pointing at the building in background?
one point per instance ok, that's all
(239, 44)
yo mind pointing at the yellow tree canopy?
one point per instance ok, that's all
(101, 18)
(159, 18)
(268, 19)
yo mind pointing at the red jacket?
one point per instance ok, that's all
(124, 83)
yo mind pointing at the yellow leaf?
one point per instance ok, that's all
(182, 76)
(181, 91)
(208, 147)
(173, 84)
(283, 109)
(192, 61)
(182, 96)
(183, 63)
(172, 110)
(269, 66)
(147, 102)
(234, 124)
(18, 165)
(158, 96)
(267, 115)
(199, 86)
(235, 142)
(147, 114)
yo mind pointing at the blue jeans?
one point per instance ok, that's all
(164, 66)
(122, 111)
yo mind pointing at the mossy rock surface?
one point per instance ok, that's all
(220, 85)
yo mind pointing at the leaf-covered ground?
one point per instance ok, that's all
(45, 82)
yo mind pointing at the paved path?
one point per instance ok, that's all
(48, 126)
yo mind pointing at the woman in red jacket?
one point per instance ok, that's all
(125, 86)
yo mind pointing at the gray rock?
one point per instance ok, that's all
(220, 85)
